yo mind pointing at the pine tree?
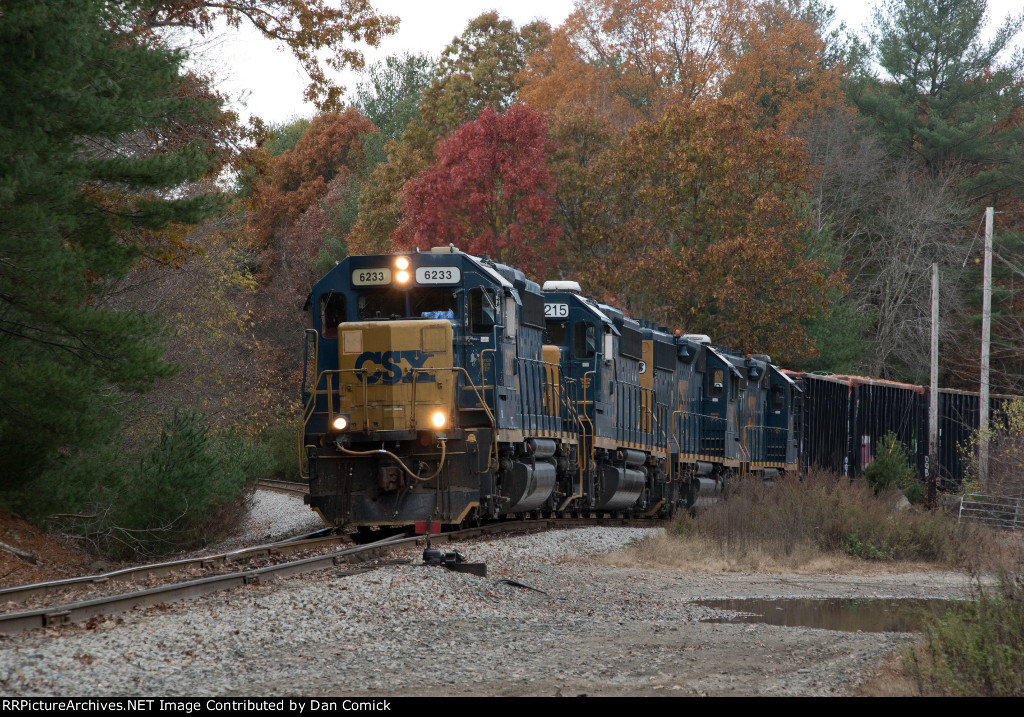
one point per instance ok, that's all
(948, 98)
(74, 84)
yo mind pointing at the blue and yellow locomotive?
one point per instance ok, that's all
(451, 388)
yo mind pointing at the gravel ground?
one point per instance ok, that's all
(272, 516)
(414, 630)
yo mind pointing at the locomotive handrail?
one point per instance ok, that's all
(593, 430)
(487, 410)
(326, 376)
(329, 391)
(573, 415)
(705, 416)
(761, 431)
(668, 453)
(300, 434)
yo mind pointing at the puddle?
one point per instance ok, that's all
(846, 614)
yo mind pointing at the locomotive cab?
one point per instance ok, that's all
(781, 442)
(720, 435)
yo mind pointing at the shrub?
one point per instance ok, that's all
(282, 446)
(190, 487)
(977, 648)
(891, 466)
(1006, 454)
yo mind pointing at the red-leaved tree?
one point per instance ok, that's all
(489, 191)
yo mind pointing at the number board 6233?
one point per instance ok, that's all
(438, 275)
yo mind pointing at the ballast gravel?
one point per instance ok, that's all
(410, 629)
(271, 516)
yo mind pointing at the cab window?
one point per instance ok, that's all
(433, 303)
(554, 333)
(381, 304)
(483, 311)
(332, 313)
(716, 383)
(778, 398)
(584, 340)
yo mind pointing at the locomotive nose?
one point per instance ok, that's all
(396, 375)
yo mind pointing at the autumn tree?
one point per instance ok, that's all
(329, 151)
(781, 62)
(638, 58)
(560, 76)
(316, 31)
(479, 69)
(488, 192)
(476, 70)
(713, 230)
(583, 151)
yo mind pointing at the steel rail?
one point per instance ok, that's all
(156, 570)
(283, 486)
(11, 623)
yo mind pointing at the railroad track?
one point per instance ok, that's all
(355, 555)
(283, 486)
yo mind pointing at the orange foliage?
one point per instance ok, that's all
(631, 60)
(307, 27)
(646, 54)
(297, 179)
(559, 76)
(713, 220)
(779, 65)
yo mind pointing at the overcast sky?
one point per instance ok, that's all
(267, 81)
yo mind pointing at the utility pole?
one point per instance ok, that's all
(986, 340)
(933, 404)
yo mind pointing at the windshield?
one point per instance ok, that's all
(423, 302)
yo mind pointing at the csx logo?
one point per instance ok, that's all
(393, 366)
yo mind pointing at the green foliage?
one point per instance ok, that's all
(281, 443)
(71, 188)
(839, 338)
(390, 93)
(977, 648)
(948, 97)
(480, 69)
(284, 137)
(175, 492)
(891, 466)
(915, 493)
(181, 493)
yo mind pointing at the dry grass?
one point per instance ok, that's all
(673, 552)
(821, 524)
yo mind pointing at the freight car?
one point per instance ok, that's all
(448, 387)
(845, 418)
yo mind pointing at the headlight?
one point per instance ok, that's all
(340, 423)
(439, 419)
(403, 277)
(402, 263)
